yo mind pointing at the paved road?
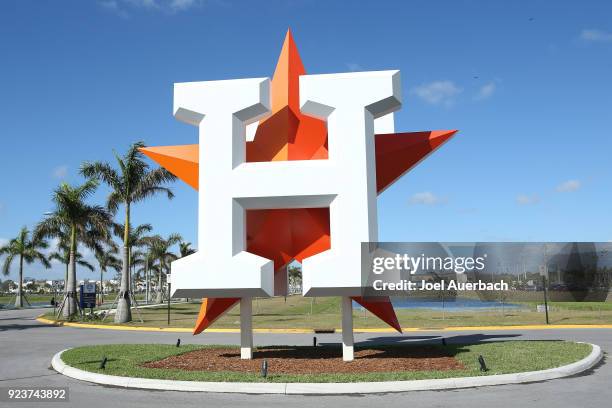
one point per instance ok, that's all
(26, 348)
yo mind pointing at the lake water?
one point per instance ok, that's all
(449, 304)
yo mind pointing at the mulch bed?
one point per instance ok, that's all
(311, 360)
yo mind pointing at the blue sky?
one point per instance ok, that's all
(528, 84)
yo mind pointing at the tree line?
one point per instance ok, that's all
(74, 223)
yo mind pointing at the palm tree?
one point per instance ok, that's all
(133, 182)
(160, 252)
(145, 269)
(185, 249)
(294, 274)
(137, 239)
(86, 224)
(28, 251)
(106, 259)
(136, 259)
(62, 254)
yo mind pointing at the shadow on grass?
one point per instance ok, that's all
(423, 340)
(334, 351)
(97, 361)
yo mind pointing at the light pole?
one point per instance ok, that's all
(544, 282)
(168, 282)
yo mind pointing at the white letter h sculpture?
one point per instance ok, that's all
(346, 182)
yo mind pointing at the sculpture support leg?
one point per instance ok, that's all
(246, 328)
(347, 329)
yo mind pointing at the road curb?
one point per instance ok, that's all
(307, 331)
(329, 388)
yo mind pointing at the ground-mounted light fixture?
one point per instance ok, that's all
(483, 365)
(264, 368)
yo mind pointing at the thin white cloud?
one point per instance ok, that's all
(438, 92)
(524, 199)
(124, 8)
(426, 198)
(181, 5)
(86, 252)
(53, 247)
(143, 3)
(485, 91)
(60, 172)
(113, 7)
(594, 35)
(352, 66)
(569, 186)
(109, 4)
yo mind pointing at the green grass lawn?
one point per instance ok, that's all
(324, 312)
(6, 299)
(46, 298)
(501, 357)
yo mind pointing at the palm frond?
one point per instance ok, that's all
(174, 239)
(43, 260)
(87, 189)
(85, 264)
(185, 249)
(6, 265)
(142, 229)
(50, 227)
(56, 256)
(103, 172)
(115, 198)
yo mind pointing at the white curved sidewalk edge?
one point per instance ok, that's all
(329, 388)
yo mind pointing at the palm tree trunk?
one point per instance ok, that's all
(66, 277)
(134, 277)
(147, 280)
(19, 298)
(124, 312)
(160, 297)
(101, 286)
(70, 304)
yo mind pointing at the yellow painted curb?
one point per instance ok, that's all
(307, 331)
(109, 327)
(161, 329)
(492, 328)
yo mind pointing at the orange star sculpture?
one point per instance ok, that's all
(284, 235)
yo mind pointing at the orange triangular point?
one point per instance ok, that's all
(210, 310)
(396, 153)
(382, 308)
(182, 161)
(286, 79)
